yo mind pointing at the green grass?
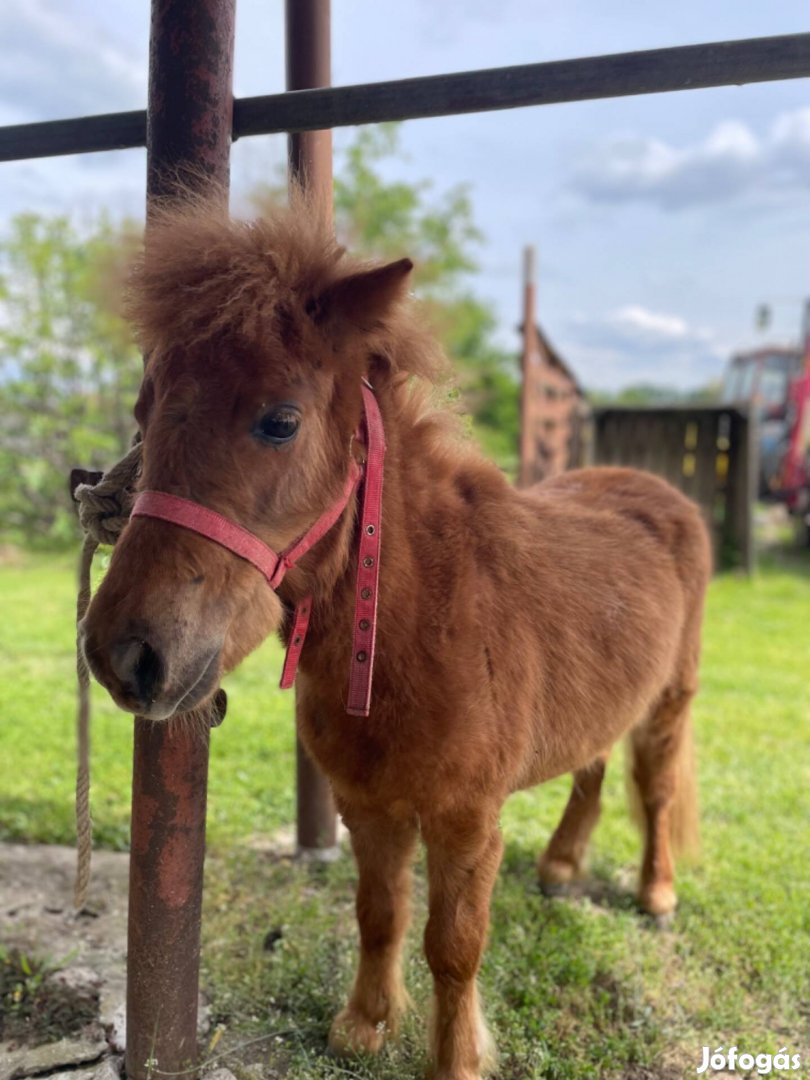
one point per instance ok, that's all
(252, 754)
(574, 988)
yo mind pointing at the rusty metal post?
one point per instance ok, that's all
(308, 32)
(189, 136)
(309, 65)
(169, 781)
(528, 405)
(190, 115)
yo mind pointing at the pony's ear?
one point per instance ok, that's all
(360, 301)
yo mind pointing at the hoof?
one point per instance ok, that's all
(664, 922)
(555, 875)
(487, 1054)
(352, 1034)
(461, 1073)
(487, 1068)
(457, 1074)
(658, 900)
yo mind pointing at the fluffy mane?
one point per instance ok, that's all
(203, 274)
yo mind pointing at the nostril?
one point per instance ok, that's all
(148, 672)
(138, 667)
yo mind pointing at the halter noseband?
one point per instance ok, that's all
(197, 518)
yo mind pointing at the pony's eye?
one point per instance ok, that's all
(278, 426)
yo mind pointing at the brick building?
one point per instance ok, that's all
(553, 404)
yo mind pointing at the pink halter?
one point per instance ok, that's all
(216, 527)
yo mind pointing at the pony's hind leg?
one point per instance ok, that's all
(563, 859)
(384, 850)
(663, 775)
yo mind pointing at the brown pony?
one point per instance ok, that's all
(520, 633)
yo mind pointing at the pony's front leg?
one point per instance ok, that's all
(463, 861)
(383, 848)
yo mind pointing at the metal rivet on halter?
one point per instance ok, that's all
(364, 624)
(365, 594)
(361, 656)
(369, 530)
(368, 561)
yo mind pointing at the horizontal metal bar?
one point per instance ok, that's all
(688, 67)
(84, 135)
(653, 71)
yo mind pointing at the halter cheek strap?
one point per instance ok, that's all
(221, 530)
(364, 635)
(368, 563)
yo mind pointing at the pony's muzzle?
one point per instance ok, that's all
(144, 678)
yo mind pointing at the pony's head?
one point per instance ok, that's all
(257, 336)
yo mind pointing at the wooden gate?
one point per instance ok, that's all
(710, 453)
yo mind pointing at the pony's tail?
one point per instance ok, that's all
(684, 829)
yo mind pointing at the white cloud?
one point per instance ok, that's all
(732, 161)
(636, 319)
(58, 62)
(635, 344)
(790, 138)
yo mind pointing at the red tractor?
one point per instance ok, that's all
(776, 383)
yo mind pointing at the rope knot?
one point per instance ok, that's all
(104, 508)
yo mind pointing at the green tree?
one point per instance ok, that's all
(68, 370)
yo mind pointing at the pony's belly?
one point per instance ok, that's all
(569, 740)
(576, 754)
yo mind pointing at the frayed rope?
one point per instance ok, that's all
(104, 510)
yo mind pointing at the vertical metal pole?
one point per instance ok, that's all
(309, 65)
(527, 403)
(169, 782)
(189, 134)
(190, 115)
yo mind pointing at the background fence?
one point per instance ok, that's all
(709, 453)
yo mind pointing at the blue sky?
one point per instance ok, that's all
(660, 222)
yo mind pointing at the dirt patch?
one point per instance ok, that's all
(39, 1005)
(63, 972)
(40, 930)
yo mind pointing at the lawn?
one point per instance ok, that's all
(583, 987)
